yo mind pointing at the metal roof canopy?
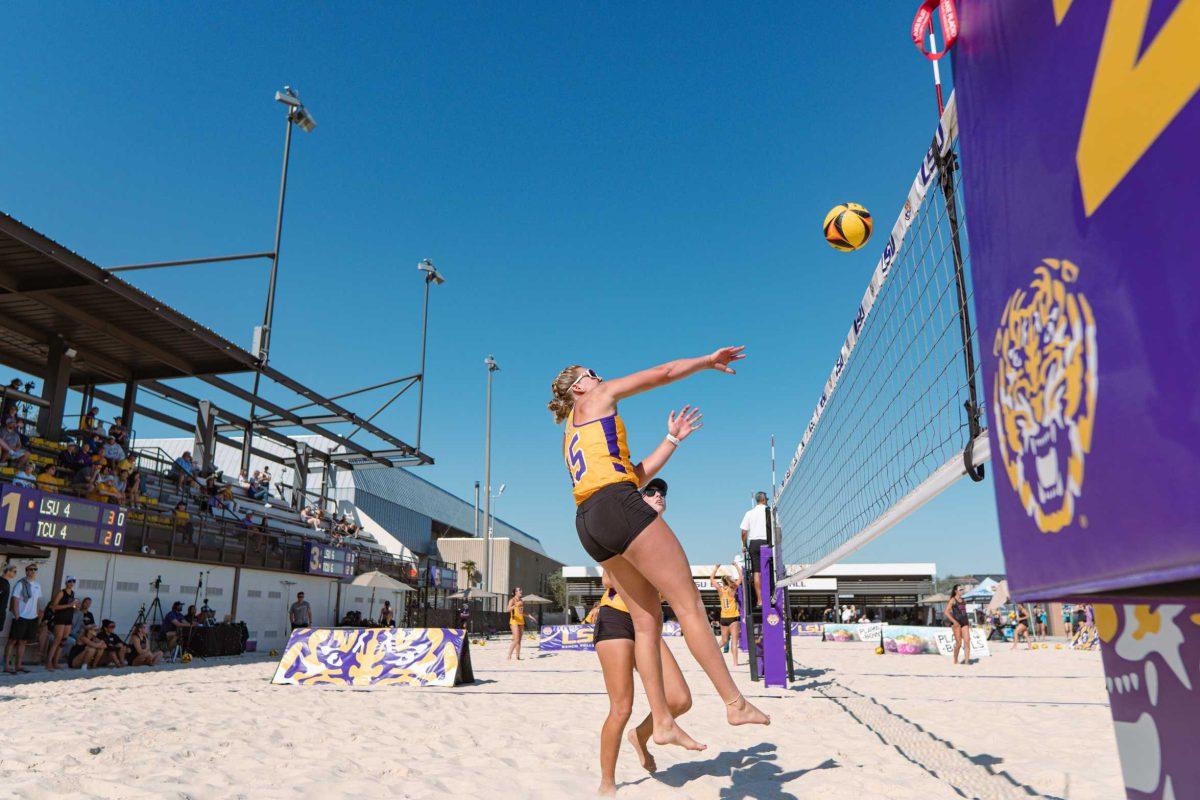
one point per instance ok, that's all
(50, 293)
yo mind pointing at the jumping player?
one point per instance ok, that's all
(628, 539)
(614, 638)
(731, 623)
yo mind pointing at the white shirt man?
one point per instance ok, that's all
(754, 536)
(847, 614)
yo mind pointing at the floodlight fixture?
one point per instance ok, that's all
(431, 273)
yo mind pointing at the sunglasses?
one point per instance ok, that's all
(654, 493)
(587, 373)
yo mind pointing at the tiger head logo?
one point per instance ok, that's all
(1045, 392)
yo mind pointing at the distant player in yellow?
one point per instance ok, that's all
(730, 619)
(516, 622)
(628, 538)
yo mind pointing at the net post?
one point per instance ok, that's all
(947, 163)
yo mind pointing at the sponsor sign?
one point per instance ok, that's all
(867, 632)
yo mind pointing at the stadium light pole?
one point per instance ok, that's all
(297, 114)
(492, 368)
(432, 276)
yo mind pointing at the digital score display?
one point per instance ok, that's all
(32, 515)
(328, 559)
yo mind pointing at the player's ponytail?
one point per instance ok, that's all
(562, 400)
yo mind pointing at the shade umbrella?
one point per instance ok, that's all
(999, 598)
(934, 599)
(536, 599)
(378, 580)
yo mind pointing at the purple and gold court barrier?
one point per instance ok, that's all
(376, 657)
(1079, 125)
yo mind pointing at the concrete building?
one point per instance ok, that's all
(513, 564)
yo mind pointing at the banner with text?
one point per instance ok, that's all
(566, 637)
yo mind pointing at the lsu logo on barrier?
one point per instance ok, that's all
(375, 656)
(1045, 392)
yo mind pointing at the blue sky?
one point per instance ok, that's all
(614, 186)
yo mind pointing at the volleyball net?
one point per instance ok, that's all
(900, 418)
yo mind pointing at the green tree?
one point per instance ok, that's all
(469, 567)
(556, 585)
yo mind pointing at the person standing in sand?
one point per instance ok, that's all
(614, 637)
(731, 622)
(1021, 627)
(516, 622)
(632, 543)
(956, 612)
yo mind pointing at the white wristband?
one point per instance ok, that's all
(672, 440)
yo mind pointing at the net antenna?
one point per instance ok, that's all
(900, 418)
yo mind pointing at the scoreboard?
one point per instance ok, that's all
(32, 515)
(328, 559)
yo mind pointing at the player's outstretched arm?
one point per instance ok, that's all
(678, 428)
(638, 382)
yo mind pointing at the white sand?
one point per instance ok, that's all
(855, 726)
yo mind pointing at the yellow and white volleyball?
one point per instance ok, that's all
(878, 651)
(187, 658)
(274, 652)
(847, 226)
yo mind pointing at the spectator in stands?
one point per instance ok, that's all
(311, 517)
(87, 650)
(387, 618)
(84, 482)
(112, 451)
(192, 618)
(88, 454)
(106, 489)
(184, 469)
(118, 432)
(256, 487)
(140, 654)
(71, 459)
(300, 613)
(115, 651)
(9, 407)
(11, 446)
(25, 605)
(174, 624)
(90, 424)
(133, 486)
(47, 479)
(24, 476)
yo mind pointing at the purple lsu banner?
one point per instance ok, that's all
(1152, 672)
(1079, 125)
(375, 657)
(807, 629)
(566, 637)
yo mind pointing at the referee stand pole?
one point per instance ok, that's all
(749, 616)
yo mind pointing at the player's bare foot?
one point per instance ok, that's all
(607, 790)
(742, 712)
(639, 747)
(675, 735)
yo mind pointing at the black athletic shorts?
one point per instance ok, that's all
(24, 630)
(612, 623)
(726, 621)
(755, 555)
(612, 518)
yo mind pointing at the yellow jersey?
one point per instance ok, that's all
(613, 600)
(517, 615)
(596, 455)
(728, 602)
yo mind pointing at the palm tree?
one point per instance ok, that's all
(469, 566)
